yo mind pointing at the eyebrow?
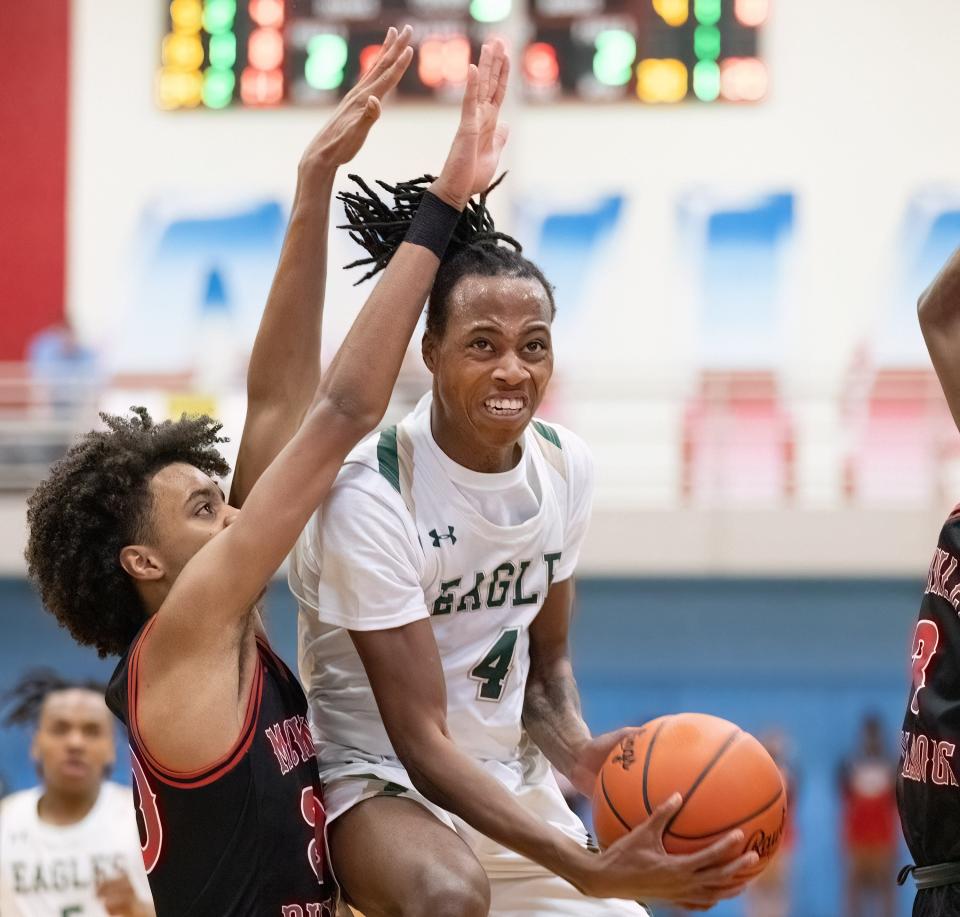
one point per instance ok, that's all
(207, 491)
(486, 325)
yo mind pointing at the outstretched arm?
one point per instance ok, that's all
(222, 581)
(939, 311)
(193, 659)
(413, 705)
(284, 367)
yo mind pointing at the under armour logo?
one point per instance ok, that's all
(438, 538)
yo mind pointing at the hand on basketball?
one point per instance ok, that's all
(119, 897)
(475, 152)
(637, 866)
(343, 135)
(589, 759)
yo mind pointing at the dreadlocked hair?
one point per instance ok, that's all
(25, 699)
(94, 503)
(476, 248)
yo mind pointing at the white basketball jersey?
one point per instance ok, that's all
(406, 535)
(54, 870)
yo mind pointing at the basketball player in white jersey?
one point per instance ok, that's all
(435, 589)
(70, 847)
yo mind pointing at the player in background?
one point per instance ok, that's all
(435, 589)
(136, 551)
(928, 789)
(868, 786)
(69, 847)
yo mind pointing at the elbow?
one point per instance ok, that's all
(351, 415)
(924, 307)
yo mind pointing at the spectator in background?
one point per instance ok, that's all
(65, 367)
(69, 846)
(868, 786)
(769, 894)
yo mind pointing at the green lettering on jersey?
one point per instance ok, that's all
(473, 596)
(551, 561)
(500, 585)
(493, 669)
(444, 602)
(518, 597)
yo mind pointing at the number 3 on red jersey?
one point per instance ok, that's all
(925, 640)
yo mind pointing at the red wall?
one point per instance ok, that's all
(34, 40)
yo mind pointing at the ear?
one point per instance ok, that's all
(141, 563)
(428, 349)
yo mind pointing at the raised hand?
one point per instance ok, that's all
(480, 138)
(638, 866)
(343, 135)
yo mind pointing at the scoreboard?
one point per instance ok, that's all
(267, 53)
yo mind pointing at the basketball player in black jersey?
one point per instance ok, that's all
(137, 552)
(928, 785)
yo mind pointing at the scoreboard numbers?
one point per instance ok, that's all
(265, 53)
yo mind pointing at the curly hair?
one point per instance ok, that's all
(94, 503)
(25, 699)
(476, 249)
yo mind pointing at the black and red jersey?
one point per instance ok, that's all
(928, 790)
(244, 836)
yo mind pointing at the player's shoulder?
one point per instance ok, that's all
(116, 795)
(951, 527)
(19, 806)
(365, 485)
(576, 456)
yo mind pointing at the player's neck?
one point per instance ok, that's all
(469, 453)
(59, 808)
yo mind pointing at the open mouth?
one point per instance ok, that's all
(511, 406)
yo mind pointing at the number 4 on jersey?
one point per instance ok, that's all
(493, 669)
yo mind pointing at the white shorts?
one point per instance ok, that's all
(518, 886)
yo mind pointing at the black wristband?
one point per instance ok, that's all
(433, 224)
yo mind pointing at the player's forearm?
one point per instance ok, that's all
(552, 714)
(285, 362)
(455, 782)
(360, 379)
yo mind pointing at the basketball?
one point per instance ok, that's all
(726, 777)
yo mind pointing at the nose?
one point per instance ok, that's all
(230, 515)
(510, 370)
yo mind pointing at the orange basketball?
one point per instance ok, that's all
(724, 774)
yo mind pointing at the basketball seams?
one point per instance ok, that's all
(610, 805)
(646, 763)
(730, 827)
(728, 743)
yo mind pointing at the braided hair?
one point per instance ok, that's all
(26, 698)
(476, 248)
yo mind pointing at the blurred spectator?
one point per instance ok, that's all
(69, 846)
(769, 894)
(868, 782)
(63, 366)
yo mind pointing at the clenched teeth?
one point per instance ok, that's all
(504, 404)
